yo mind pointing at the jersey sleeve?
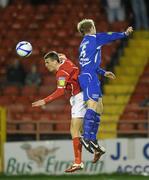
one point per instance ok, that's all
(105, 38)
(55, 95)
(62, 78)
(100, 71)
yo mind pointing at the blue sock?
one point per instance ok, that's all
(95, 127)
(89, 120)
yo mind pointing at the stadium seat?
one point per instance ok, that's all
(4, 101)
(46, 128)
(29, 90)
(108, 126)
(142, 126)
(107, 135)
(118, 89)
(26, 117)
(114, 109)
(109, 117)
(11, 127)
(11, 90)
(48, 80)
(54, 108)
(129, 116)
(46, 90)
(16, 107)
(15, 116)
(64, 127)
(113, 99)
(23, 100)
(26, 128)
(46, 116)
(126, 127)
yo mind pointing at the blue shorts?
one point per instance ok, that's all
(90, 86)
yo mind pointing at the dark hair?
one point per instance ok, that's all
(52, 55)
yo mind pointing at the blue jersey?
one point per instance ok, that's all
(90, 59)
(90, 50)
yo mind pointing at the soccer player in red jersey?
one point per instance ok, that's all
(67, 79)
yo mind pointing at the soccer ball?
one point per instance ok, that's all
(24, 48)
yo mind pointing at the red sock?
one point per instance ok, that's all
(77, 147)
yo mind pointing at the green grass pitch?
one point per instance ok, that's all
(77, 177)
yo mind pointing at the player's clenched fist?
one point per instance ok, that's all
(109, 74)
(38, 103)
(62, 57)
(129, 30)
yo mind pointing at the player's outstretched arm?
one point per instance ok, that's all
(105, 38)
(105, 73)
(55, 95)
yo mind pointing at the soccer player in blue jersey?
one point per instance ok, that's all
(90, 60)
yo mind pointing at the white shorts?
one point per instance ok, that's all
(78, 106)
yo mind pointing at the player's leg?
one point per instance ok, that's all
(91, 96)
(99, 111)
(101, 150)
(75, 129)
(95, 123)
(88, 124)
(89, 118)
(78, 111)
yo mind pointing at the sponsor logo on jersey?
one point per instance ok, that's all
(84, 61)
(95, 96)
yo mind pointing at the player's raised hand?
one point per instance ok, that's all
(38, 103)
(62, 57)
(129, 30)
(110, 75)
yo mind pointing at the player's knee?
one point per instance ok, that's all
(89, 117)
(90, 114)
(76, 125)
(74, 133)
(71, 130)
(74, 130)
(91, 104)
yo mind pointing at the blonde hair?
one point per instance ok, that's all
(85, 26)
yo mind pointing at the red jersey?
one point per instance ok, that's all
(67, 79)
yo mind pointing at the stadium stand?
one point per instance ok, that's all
(135, 117)
(48, 27)
(122, 96)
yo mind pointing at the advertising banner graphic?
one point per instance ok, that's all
(53, 157)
